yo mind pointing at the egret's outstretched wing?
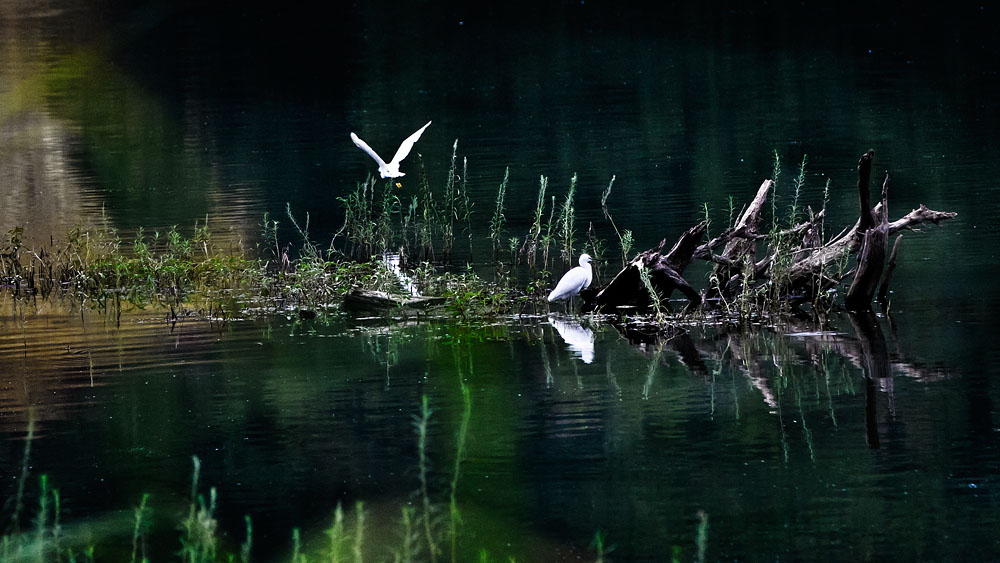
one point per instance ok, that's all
(364, 146)
(407, 145)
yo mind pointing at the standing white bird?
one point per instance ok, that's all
(390, 169)
(574, 280)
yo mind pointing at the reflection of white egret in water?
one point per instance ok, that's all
(578, 338)
(392, 261)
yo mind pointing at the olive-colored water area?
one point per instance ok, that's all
(845, 442)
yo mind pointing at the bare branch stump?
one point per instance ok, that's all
(883, 288)
(626, 288)
(871, 260)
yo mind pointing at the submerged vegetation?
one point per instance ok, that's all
(423, 532)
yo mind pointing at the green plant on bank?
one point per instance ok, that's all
(100, 266)
(469, 296)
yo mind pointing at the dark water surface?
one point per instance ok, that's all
(160, 114)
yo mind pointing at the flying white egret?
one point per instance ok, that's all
(390, 169)
(574, 280)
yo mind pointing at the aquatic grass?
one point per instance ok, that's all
(624, 237)
(370, 214)
(336, 535)
(595, 247)
(455, 517)
(548, 238)
(308, 251)
(450, 205)
(655, 301)
(201, 539)
(702, 538)
(465, 209)
(198, 541)
(498, 219)
(797, 184)
(357, 548)
(565, 222)
(15, 525)
(139, 530)
(420, 423)
(530, 245)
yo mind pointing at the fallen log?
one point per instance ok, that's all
(382, 302)
(871, 259)
(742, 242)
(883, 288)
(791, 272)
(626, 289)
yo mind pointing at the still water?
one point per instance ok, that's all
(575, 427)
(165, 114)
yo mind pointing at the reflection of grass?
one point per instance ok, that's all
(420, 534)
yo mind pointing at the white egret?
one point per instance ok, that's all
(574, 280)
(390, 169)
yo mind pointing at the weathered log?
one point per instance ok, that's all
(849, 242)
(890, 267)
(864, 189)
(665, 274)
(877, 369)
(741, 241)
(804, 274)
(380, 301)
(871, 259)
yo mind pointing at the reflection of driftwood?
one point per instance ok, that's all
(678, 339)
(878, 373)
(794, 271)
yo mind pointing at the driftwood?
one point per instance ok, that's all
(380, 301)
(871, 260)
(805, 268)
(741, 241)
(665, 274)
(890, 267)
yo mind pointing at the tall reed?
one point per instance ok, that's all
(624, 239)
(530, 246)
(498, 219)
(567, 215)
(139, 529)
